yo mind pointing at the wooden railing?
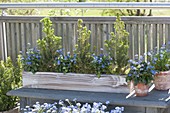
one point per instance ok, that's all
(146, 33)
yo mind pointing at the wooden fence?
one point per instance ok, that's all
(146, 33)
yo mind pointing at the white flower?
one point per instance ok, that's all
(83, 110)
(48, 111)
(67, 100)
(54, 111)
(27, 107)
(75, 111)
(86, 108)
(107, 102)
(103, 107)
(60, 102)
(122, 108)
(78, 104)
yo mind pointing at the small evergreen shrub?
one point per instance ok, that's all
(117, 47)
(10, 78)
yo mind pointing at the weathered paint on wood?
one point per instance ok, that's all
(153, 103)
(146, 33)
(1, 43)
(72, 81)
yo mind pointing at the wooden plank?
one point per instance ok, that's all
(128, 27)
(92, 19)
(98, 38)
(138, 40)
(168, 32)
(102, 42)
(154, 110)
(161, 38)
(1, 42)
(93, 36)
(132, 41)
(37, 32)
(28, 33)
(149, 38)
(41, 31)
(132, 109)
(74, 38)
(13, 42)
(8, 39)
(70, 37)
(18, 39)
(154, 36)
(135, 39)
(166, 35)
(104, 37)
(23, 40)
(164, 38)
(142, 39)
(64, 35)
(145, 40)
(33, 34)
(150, 101)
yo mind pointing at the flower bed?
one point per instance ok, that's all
(71, 107)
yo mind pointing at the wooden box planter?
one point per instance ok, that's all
(72, 81)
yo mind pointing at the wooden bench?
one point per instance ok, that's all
(155, 102)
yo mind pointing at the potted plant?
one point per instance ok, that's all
(141, 74)
(161, 62)
(53, 68)
(10, 78)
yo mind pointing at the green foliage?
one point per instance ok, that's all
(65, 63)
(160, 59)
(140, 71)
(127, 12)
(50, 56)
(117, 47)
(48, 46)
(10, 78)
(82, 50)
(31, 61)
(101, 64)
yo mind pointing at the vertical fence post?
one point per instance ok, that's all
(1, 43)
(3, 49)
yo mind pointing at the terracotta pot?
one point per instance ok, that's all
(162, 80)
(141, 89)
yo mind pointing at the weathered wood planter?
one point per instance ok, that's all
(72, 81)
